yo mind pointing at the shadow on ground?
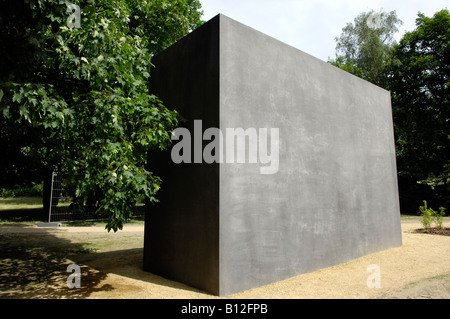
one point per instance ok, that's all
(129, 263)
(34, 263)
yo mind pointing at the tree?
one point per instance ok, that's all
(364, 48)
(419, 83)
(17, 165)
(77, 73)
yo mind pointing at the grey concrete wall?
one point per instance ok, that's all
(225, 227)
(335, 196)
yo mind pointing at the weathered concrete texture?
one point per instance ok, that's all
(225, 227)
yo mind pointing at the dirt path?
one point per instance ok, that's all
(111, 267)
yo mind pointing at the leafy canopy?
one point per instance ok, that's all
(85, 90)
(364, 47)
(420, 82)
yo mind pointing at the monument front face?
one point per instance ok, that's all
(316, 185)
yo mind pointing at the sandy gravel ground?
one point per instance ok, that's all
(420, 268)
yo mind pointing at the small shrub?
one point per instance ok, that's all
(7, 193)
(439, 217)
(426, 214)
(34, 191)
(429, 216)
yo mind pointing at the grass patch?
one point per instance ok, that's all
(20, 203)
(92, 223)
(21, 209)
(30, 209)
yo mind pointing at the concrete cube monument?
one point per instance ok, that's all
(289, 166)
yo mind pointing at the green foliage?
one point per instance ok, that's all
(420, 87)
(439, 217)
(429, 216)
(7, 193)
(426, 214)
(33, 191)
(419, 84)
(86, 91)
(347, 65)
(365, 50)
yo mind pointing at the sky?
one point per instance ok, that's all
(312, 25)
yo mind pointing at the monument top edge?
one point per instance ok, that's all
(220, 18)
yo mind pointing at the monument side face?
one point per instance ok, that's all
(181, 231)
(334, 195)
